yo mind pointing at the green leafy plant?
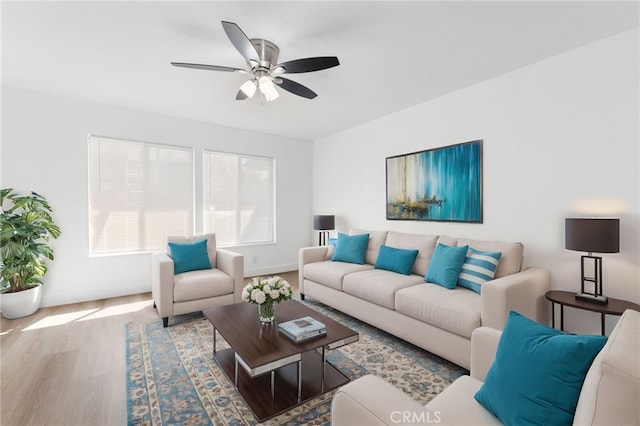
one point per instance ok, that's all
(26, 227)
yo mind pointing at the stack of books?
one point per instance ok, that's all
(302, 329)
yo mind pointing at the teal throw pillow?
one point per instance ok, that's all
(351, 248)
(189, 256)
(478, 268)
(396, 259)
(445, 265)
(537, 374)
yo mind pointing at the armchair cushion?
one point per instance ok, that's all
(201, 284)
(190, 256)
(537, 373)
(212, 250)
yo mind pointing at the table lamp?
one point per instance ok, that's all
(323, 223)
(593, 236)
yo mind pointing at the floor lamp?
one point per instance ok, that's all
(323, 223)
(592, 236)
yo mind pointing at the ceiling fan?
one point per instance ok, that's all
(265, 71)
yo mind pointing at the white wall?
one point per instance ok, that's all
(561, 138)
(44, 144)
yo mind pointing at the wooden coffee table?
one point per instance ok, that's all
(272, 373)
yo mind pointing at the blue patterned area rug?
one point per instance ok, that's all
(172, 378)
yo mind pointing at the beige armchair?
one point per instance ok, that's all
(192, 291)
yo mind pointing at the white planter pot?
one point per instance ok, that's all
(21, 304)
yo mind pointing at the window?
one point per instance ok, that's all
(138, 194)
(238, 198)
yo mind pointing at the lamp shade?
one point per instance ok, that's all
(592, 235)
(324, 222)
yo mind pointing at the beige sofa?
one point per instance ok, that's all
(432, 317)
(610, 393)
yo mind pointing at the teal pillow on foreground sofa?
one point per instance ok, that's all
(189, 256)
(396, 259)
(351, 248)
(537, 374)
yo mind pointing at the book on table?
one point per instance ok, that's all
(302, 328)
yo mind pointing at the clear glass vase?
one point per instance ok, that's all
(267, 312)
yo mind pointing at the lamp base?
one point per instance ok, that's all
(592, 298)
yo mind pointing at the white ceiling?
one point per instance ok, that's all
(393, 54)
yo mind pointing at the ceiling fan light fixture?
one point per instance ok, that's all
(277, 70)
(266, 85)
(249, 88)
(272, 96)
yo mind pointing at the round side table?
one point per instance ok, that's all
(567, 298)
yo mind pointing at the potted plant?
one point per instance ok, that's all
(26, 227)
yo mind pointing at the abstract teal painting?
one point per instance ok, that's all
(440, 184)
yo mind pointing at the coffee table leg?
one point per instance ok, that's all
(235, 372)
(273, 385)
(299, 380)
(214, 341)
(322, 367)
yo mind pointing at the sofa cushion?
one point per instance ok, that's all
(457, 310)
(378, 286)
(537, 374)
(396, 259)
(478, 268)
(425, 244)
(456, 406)
(331, 273)
(611, 390)
(189, 256)
(376, 239)
(445, 265)
(351, 248)
(197, 285)
(512, 254)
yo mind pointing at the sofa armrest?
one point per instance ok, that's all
(371, 400)
(162, 283)
(232, 264)
(484, 344)
(522, 292)
(310, 255)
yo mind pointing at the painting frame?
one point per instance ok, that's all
(443, 184)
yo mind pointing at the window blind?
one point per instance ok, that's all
(138, 194)
(238, 198)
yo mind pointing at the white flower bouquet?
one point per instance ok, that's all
(267, 290)
(266, 293)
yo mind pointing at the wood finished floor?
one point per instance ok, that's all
(65, 365)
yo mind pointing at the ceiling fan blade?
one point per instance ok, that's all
(240, 40)
(309, 64)
(205, 67)
(241, 96)
(295, 88)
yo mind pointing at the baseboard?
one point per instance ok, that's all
(79, 297)
(270, 270)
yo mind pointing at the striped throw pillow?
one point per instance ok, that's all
(478, 268)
